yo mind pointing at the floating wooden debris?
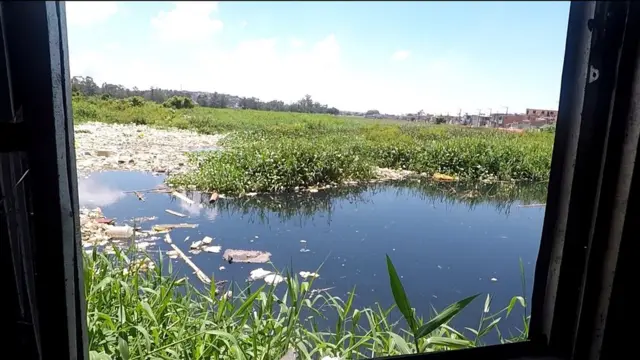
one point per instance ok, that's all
(201, 275)
(532, 205)
(168, 227)
(214, 197)
(139, 195)
(175, 213)
(183, 197)
(246, 256)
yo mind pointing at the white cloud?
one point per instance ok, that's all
(85, 13)
(296, 43)
(400, 55)
(284, 69)
(188, 21)
(243, 24)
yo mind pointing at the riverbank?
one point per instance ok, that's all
(274, 152)
(133, 308)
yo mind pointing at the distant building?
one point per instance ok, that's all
(512, 120)
(535, 114)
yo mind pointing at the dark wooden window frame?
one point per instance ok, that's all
(584, 260)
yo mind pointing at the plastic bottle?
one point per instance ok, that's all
(120, 232)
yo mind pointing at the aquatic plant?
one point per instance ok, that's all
(275, 151)
(133, 314)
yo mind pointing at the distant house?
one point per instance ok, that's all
(511, 120)
(534, 114)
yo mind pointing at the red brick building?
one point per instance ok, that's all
(535, 114)
(512, 119)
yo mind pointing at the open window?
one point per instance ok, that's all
(580, 301)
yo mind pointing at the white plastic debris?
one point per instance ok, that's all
(172, 254)
(494, 279)
(143, 245)
(273, 279)
(212, 249)
(119, 232)
(303, 241)
(306, 274)
(258, 274)
(221, 268)
(304, 250)
(196, 244)
(207, 240)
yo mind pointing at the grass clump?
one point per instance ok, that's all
(155, 314)
(271, 166)
(274, 151)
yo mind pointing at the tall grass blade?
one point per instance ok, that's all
(444, 316)
(400, 296)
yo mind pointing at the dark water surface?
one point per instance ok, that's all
(445, 241)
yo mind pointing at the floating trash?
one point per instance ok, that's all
(183, 197)
(172, 254)
(207, 240)
(221, 268)
(175, 213)
(305, 250)
(303, 241)
(443, 177)
(119, 232)
(169, 227)
(273, 279)
(212, 249)
(246, 256)
(258, 274)
(494, 279)
(306, 274)
(196, 244)
(143, 245)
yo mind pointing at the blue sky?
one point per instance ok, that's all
(397, 57)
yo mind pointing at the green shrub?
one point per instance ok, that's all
(179, 102)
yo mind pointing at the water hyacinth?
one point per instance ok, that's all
(277, 151)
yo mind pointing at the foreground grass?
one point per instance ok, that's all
(274, 151)
(157, 315)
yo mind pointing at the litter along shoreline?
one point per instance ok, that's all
(129, 147)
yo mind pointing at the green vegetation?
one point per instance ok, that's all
(275, 151)
(157, 315)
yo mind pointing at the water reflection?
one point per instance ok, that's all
(303, 207)
(448, 240)
(93, 192)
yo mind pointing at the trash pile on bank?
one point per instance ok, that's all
(102, 146)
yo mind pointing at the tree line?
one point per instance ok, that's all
(85, 85)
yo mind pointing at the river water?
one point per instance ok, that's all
(447, 242)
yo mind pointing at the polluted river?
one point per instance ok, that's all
(447, 241)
